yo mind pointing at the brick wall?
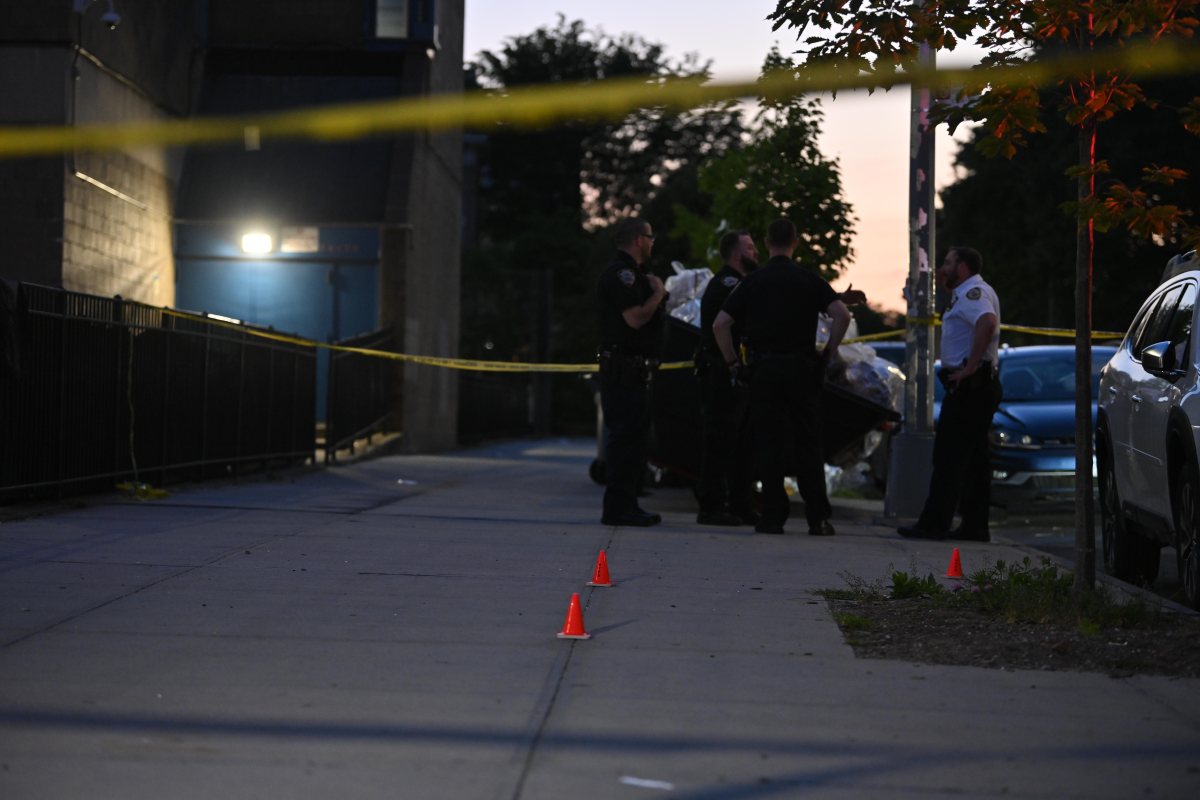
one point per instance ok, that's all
(118, 243)
(117, 204)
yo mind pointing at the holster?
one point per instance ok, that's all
(980, 379)
(624, 370)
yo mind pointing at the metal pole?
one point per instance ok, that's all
(911, 458)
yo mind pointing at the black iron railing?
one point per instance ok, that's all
(98, 390)
(363, 393)
(494, 405)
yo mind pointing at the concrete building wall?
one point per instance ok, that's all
(114, 242)
(96, 222)
(422, 296)
(33, 90)
(117, 204)
(286, 22)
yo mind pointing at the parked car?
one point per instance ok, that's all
(1033, 432)
(1148, 435)
(892, 350)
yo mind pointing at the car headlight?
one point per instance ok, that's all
(1003, 438)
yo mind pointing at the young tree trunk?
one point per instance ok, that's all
(1085, 521)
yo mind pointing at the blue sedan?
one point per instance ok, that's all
(1033, 432)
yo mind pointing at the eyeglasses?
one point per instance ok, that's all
(649, 236)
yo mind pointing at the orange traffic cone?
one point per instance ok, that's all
(955, 568)
(573, 626)
(600, 573)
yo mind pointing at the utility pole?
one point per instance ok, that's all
(910, 461)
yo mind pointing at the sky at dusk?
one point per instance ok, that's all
(867, 134)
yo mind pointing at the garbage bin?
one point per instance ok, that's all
(846, 417)
(676, 426)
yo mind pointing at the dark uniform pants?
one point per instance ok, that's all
(785, 398)
(962, 473)
(725, 478)
(625, 401)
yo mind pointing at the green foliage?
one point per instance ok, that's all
(779, 171)
(859, 589)
(1012, 211)
(1041, 593)
(905, 585)
(852, 622)
(1022, 592)
(881, 36)
(623, 163)
(546, 195)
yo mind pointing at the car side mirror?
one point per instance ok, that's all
(1159, 358)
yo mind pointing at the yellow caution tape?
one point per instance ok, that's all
(432, 361)
(1065, 333)
(874, 337)
(142, 491)
(476, 365)
(542, 106)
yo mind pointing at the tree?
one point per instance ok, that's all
(980, 209)
(596, 170)
(546, 196)
(779, 171)
(882, 36)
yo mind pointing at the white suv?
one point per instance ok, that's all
(1148, 436)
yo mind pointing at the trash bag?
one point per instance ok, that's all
(862, 371)
(685, 289)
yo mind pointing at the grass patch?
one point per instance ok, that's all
(1017, 592)
(852, 622)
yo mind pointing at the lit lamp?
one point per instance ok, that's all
(257, 243)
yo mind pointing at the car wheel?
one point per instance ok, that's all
(596, 471)
(1127, 556)
(1187, 533)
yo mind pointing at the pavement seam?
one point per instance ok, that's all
(187, 570)
(536, 737)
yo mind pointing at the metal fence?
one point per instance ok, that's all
(97, 390)
(494, 405)
(363, 392)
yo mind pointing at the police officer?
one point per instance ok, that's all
(725, 487)
(777, 308)
(962, 475)
(630, 303)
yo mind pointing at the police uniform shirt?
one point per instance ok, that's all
(622, 286)
(777, 306)
(715, 293)
(969, 301)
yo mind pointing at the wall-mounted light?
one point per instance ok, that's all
(257, 243)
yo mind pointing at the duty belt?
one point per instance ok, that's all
(754, 356)
(983, 375)
(641, 361)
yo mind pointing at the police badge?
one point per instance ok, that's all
(626, 276)
(730, 281)
(974, 294)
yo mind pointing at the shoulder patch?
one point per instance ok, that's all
(974, 294)
(627, 277)
(729, 280)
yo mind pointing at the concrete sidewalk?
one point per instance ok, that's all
(387, 629)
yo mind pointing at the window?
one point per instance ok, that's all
(1154, 326)
(391, 19)
(1179, 331)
